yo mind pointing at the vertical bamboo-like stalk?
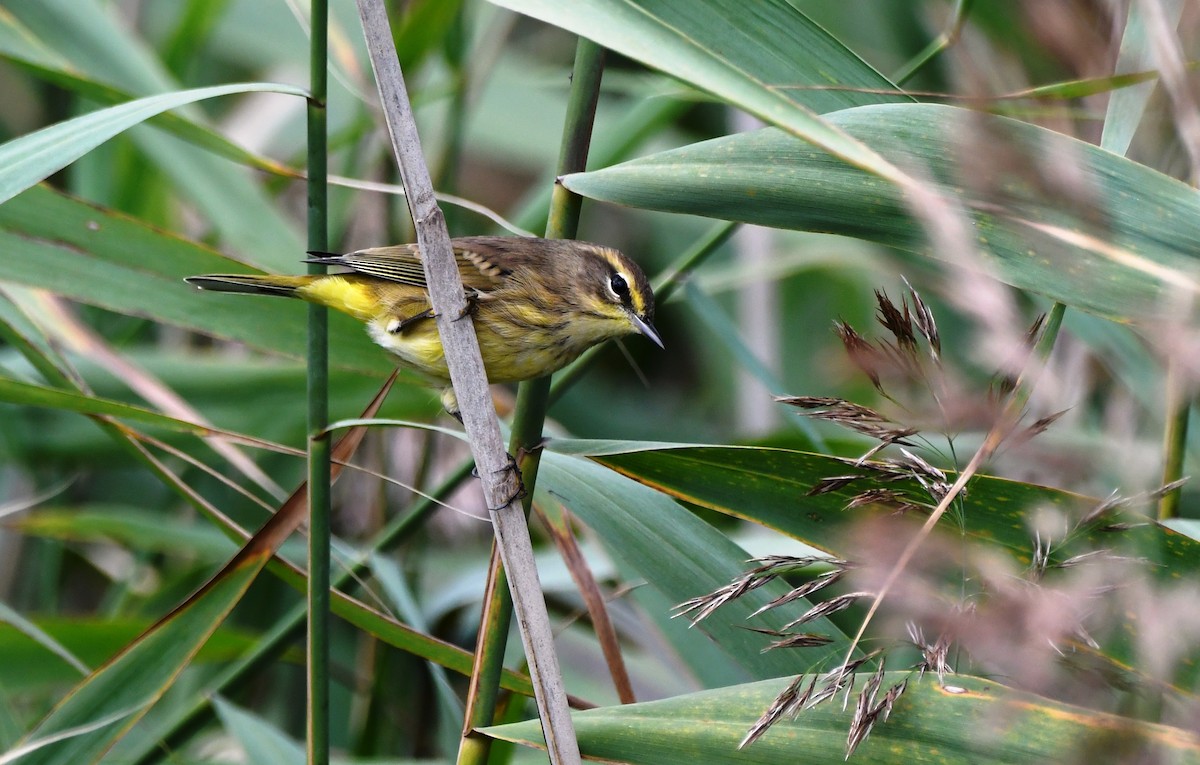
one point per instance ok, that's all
(500, 482)
(317, 708)
(532, 399)
(1179, 409)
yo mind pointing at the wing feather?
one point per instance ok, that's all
(480, 265)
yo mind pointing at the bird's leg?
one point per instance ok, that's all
(470, 308)
(512, 467)
(396, 325)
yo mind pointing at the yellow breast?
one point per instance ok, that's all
(506, 359)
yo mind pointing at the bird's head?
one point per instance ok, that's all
(615, 291)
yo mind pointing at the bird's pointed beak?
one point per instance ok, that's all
(647, 329)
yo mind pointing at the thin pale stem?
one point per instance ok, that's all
(533, 397)
(500, 482)
(937, 46)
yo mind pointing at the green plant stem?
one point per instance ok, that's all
(317, 708)
(641, 122)
(935, 48)
(533, 397)
(1179, 407)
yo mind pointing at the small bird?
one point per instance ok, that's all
(537, 304)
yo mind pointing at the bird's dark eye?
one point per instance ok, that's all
(619, 287)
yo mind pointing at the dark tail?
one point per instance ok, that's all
(282, 286)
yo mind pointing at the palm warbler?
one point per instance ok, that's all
(536, 303)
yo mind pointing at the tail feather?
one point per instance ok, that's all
(282, 286)
(326, 258)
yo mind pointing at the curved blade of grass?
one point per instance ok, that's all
(40, 743)
(970, 720)
(770, 487)
(140, 674)
(679, 555)
(771, 53)
(31, 158)
(19, 46)
(18, 622)
(759, 60)
(1125, 243)
(31, 394)
(92, 641)
(1090, 86)
(90, 36)
(96, 256)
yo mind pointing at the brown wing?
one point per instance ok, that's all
(480, 262)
